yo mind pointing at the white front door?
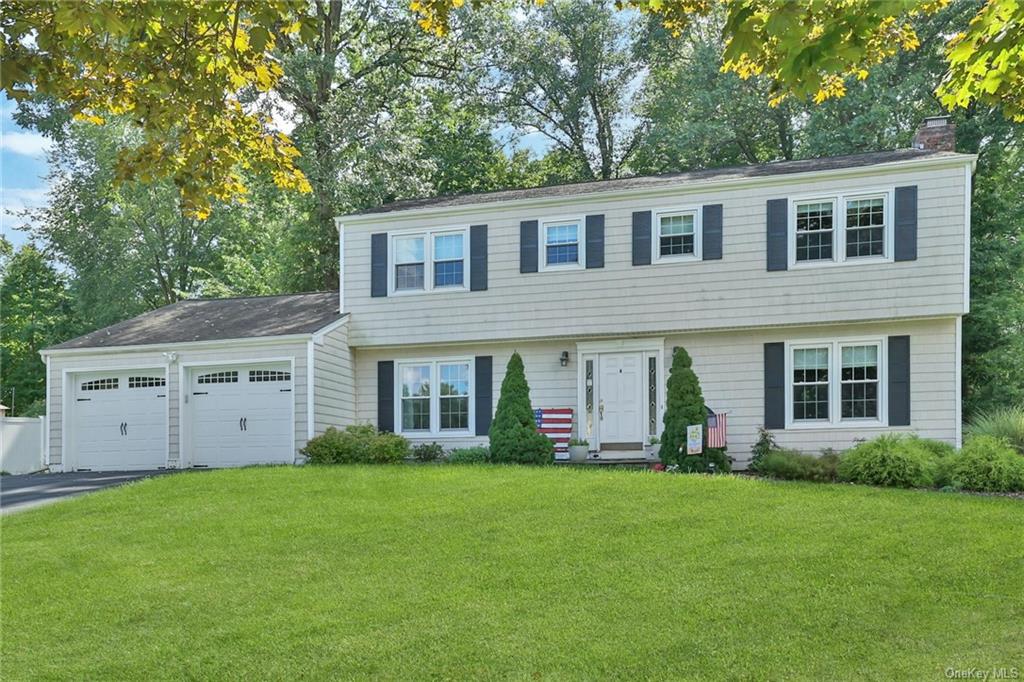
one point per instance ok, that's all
(118, 420)
(620, 403)
(241, 414)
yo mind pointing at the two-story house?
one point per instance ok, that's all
(820, 299)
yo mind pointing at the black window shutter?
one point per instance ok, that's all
(478, 258)
(528, 246)
(642, 238)
(778, 234)
(379, 264)
(899, 381)
(775, 385)
(712, 232)
(484, 389)
(595, 241)
(386, 395)
(905, 214)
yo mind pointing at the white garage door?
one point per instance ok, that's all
(241, 414)
(119, 420)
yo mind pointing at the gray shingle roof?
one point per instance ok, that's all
(212, 319)
(657, 181)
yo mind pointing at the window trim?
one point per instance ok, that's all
(839, 227)
(835, 419)
(698, 234)
(542, 244)
(435, 397)
(428, 235)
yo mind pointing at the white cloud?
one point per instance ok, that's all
(26, 144)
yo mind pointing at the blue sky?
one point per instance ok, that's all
(22, 171)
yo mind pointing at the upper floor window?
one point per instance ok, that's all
(865, 227)
(835, 374)
(428, 260)
(409, 263)
(434, 397)
(561, 244)
(841, 229)
(448, 259)
(814, 230)
(677, 236)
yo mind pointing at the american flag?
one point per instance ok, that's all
(556, 424)
(717, 426)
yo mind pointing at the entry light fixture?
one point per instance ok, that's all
(564, 360)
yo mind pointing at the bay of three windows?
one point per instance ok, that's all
(840, 229)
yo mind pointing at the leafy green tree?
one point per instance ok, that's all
(700, 117)
(684, 406)
(567, 75)
(181, 71)
(514, 436)
(36, 313)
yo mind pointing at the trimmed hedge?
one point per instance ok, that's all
(428, 452)
(791, 465)
(987, 464)
(357, 444)
(890, 460)
(474, 455)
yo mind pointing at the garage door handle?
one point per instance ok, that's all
(245, 423)
(126, 428)
(123, 425)
(240, 424)
(83, 400)
(199, 393)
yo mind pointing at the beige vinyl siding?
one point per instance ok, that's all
(730, 365)
(154, 357)
(334, 386)
(620, 298)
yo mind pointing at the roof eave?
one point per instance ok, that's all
(179, 345)
(782, 178)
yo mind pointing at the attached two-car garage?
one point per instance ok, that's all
(201, 383)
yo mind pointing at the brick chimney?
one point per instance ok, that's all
(936, 133)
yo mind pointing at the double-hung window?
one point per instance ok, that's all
(434, 397)
(677, 235)
(409, 263)
(428, 260)
(815, 230)
(562, 244)
(841, 229)
(835, 382)
(865, 227)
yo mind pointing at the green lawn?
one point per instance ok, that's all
(444, 571)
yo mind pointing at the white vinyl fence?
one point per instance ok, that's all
(21, 444)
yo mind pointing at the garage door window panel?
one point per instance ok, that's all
(146, 382)
(218, 378)
(260, 375)
(105, 384)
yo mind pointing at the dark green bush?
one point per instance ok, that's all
(428, 452)
(792, 465)
(890, 460)
(701, 463)
(474, 455)
(1006, 423)
(357, 444)
(684, 406)
(765, 444)
(987, 464)
(514, 435)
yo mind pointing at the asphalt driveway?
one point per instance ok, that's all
(34, 490)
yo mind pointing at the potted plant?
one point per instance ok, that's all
(653, 447)
(578, 450)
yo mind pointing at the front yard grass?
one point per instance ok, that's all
(447, 571)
